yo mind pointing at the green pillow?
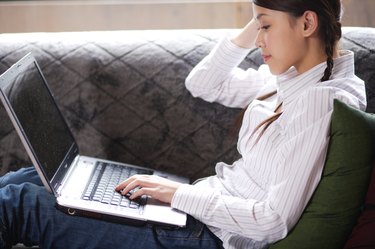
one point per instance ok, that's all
(336, 203)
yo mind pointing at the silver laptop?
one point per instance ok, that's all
(82, 185)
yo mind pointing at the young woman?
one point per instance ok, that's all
(283, 141)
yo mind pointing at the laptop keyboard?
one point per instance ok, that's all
(105, 178)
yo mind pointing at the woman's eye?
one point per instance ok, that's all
(264, 27)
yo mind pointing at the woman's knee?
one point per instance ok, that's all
(20, 176)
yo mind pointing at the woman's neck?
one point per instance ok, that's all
(315, 54)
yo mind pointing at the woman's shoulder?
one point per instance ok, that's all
(317, 102)
(350, 90)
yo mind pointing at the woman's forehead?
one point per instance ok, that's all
(264, 13)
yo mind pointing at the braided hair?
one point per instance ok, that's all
(330, 31)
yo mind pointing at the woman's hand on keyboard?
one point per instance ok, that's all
(157, 187)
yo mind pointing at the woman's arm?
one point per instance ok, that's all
(217, 78)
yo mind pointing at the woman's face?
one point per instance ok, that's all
(280, 39)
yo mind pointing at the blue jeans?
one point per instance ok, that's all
(28, 215)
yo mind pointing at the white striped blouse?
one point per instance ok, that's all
(256, 200)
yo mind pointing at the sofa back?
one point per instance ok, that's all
(123, 95)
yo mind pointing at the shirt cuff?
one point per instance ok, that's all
(192, 199)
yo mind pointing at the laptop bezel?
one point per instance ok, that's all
(6, 79)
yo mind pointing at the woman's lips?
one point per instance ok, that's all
(266, 58)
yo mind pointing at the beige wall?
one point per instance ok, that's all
(359, 13)
(29, 16)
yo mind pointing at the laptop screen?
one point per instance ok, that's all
(40, 119)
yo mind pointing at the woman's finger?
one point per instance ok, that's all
(142, 191)
(131, 179)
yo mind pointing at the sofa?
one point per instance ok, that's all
(123, 95)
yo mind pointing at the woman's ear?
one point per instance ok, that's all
(310, 22)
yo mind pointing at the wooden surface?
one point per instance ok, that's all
(44, 16)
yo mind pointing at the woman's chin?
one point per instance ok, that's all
(277, 71)
(278, 68)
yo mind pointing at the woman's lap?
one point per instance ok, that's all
(29, 216)
(23, 175)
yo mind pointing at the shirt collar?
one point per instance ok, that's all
(291, 84)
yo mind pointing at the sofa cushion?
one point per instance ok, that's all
(335, 205)
(363, 234)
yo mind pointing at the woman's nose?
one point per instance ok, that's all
(259, 40)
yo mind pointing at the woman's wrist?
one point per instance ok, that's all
(246, 38)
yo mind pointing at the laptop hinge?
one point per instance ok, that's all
(61, 184)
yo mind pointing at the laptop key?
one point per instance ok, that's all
(124, 202)
(97, 198)
(133, 204)
(106, 200)
(115, 202)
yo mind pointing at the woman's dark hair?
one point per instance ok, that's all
(329, 14)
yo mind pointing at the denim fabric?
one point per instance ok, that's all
(28, 215)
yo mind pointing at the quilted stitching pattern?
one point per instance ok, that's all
(123, 95)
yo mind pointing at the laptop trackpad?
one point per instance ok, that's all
(161, 212)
